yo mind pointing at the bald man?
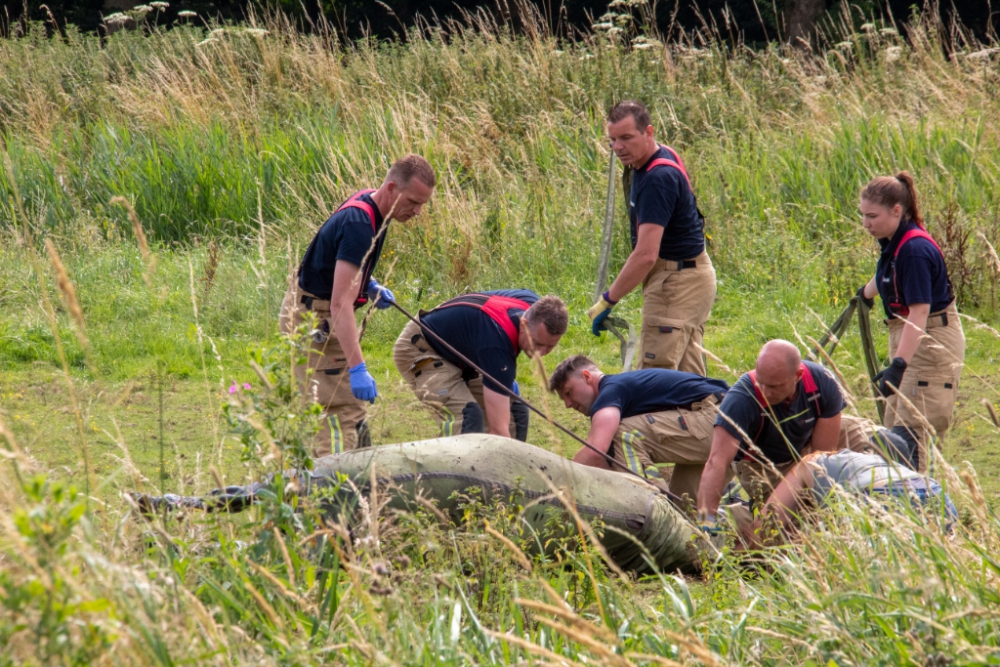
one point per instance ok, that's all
(771, 417)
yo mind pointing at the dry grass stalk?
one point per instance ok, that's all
(68, 293)
(433, 509)
(570, 617)
(284, 555)
(533, 648)
(282, 588)
(140, 237)
(995, 263)
(211, 266)
(992, 411)
(519, 556)
(607, 654)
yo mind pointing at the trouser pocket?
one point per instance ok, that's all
(663, 342)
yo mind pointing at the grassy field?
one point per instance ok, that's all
(233, 145)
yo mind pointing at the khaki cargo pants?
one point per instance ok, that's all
(676, 304)
(682, 437)
(759, 479)
(930, 383)
(329, 384)
(457, 402)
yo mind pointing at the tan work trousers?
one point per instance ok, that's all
(682, 437)
(930, 383)
(324, 378)
(676, 304)
(441, 386)
(760, 479)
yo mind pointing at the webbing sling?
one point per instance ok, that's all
(495, 307)
(836, 332)
(809, 386)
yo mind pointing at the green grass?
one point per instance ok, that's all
(234, 151)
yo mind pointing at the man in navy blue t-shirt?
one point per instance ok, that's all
(334, 279)
(668, 248)
(643, 418)
(795, 407)
(490, 329)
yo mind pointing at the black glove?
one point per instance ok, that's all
(892, 374)
(865, 300)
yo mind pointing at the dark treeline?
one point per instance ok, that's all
(751, 21)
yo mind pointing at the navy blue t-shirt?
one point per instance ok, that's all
(663, 197)
(347, 235)
(474, 333)
(796, 420)
(921, 275)
(653, 390)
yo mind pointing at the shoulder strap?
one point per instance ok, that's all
(355, 201)
(915, 234)
(495, 307)
(809, 386)
(676, 163)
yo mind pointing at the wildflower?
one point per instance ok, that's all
(159, 6)
(233, 389)
(217, 32)
(888, 32)
(868, 27)
(256, 32)
(142, 9)
(187, 14)
(893, 53)
(603, 26)
(246, 385)
(117, 17)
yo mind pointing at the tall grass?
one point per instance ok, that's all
(232, 146)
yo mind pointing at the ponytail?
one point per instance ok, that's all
(891, 190)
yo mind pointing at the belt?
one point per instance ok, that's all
(943, 315)
(310, 301)
(711, 399)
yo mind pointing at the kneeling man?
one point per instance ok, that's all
(643, 418)
(774, 415)
(490, 329)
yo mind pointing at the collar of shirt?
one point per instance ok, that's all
(889, 245)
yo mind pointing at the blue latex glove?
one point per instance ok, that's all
(516, 389)
(599, 312)
(363, 384)
(382, 297)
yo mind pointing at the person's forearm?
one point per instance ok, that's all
(713, 479)
(870, 289)
(636, 268)
(913, 330)
(346, 329)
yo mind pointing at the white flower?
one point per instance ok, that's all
(256, 32)
(187, 14)
(868, 27)
(159, 6)
(142, 9)
(643, 46)
(117, 17)
(888, 32)
(218, 32)
(893, 53)
(603, 26)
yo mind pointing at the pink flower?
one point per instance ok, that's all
(246, 385)
(232, 390)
